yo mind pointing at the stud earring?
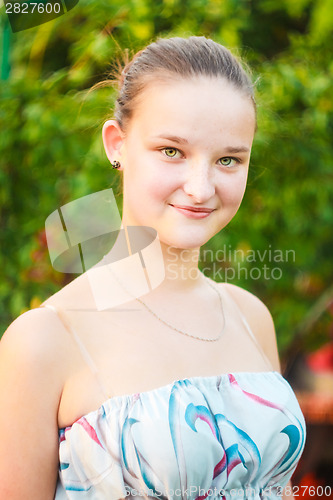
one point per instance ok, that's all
(115, 164)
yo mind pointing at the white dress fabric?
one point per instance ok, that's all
(230, 436)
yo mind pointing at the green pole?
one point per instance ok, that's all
(5, 64)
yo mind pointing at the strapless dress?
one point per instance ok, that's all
(230, 436)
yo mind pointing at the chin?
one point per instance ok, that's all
(183, 241)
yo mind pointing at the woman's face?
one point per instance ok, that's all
(188, 143)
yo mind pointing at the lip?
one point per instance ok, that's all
(193, 212)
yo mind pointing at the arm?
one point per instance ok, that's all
(30, 388)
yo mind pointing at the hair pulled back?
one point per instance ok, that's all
(181, 58)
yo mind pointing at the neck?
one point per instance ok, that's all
(181, 268)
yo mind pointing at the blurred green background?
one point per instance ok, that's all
(51, 148)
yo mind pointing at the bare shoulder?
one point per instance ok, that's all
(32, 355)
(40, 337)
(259, 318)
(32, 332)
(249, 303)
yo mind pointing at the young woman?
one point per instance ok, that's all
(177, 392)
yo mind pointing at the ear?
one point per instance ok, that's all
(113, 138)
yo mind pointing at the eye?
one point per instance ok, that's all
(171, 152)
(228, 161)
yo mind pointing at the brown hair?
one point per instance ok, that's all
(176, 57)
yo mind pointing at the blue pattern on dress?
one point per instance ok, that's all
(230, 436)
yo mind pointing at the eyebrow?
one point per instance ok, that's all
(181, 140)
(237, 149)
(172, 138)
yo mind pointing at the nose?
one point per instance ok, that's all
(199, 183)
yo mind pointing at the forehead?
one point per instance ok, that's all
(198, 106)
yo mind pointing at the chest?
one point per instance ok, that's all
(128, 351)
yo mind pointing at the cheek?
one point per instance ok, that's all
(231, 190)
(150, 187)
(160, 184)
(161, 189)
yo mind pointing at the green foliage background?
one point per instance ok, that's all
(51, 149)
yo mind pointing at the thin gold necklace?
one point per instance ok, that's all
(197, 337)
